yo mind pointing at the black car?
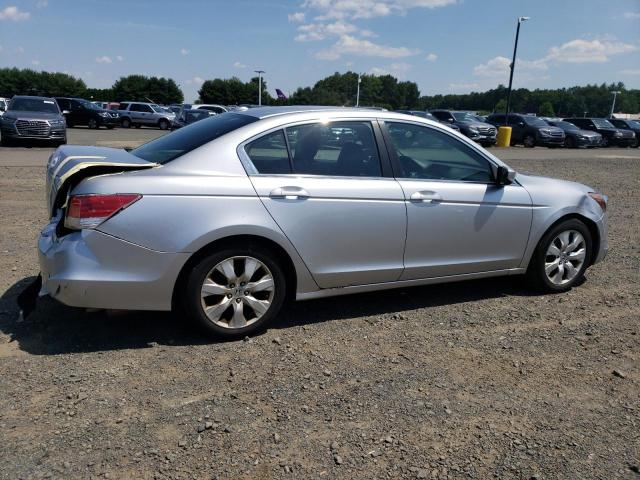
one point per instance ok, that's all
(575, 137)
(187, 117)
(610, 134)
(32, 119)
(480, 132)
(78, 111)
(420, 113)
(633, 125)
(529, 130)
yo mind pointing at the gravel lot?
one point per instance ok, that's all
(471, 380)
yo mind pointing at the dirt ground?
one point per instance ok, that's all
(470, 380)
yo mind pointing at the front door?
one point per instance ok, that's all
(324, 186)
(458, 220)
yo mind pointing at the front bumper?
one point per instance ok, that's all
(588, 142)
(550, 141)
(53, 133)
(109, 121)
(91, 269)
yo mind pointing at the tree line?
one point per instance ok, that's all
(338, 89)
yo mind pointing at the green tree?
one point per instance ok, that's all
(141, 88)
(546, 110)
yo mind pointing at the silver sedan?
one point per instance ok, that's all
(228, 218)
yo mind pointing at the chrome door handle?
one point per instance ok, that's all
(426, 196)
(289, 193)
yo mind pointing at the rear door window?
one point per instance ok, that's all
(269, 154)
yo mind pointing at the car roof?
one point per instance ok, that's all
(265, 112)
(37, 97)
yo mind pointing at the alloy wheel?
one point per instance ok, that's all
(237, 292)
(565, 257)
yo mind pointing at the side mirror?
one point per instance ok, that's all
(505, 175)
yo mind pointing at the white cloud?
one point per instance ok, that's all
(19, 50)
(631, 71)
(588, 51)
(184, 51)
(195, 81)
(632, 15)
(297, 17)
(239, 65)
(499, 67)
(398, 70)
(35, 62)
(13, 13)
(104, 59)
(340, 9)
(432, 57)
(120, 58)
(350, 45)
(319, 31)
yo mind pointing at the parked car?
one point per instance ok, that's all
(210, 107)
(78, 111)
(481, 132)
(529, 130)
(187, 117)
(633, 125)
(102, 105)
(611, 136)
(230, 216)
(137, 114)
(31, 118)
(3, 105)
(427, 115)
(575, 137)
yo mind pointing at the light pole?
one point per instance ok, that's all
(358, 92)
(513, 65)
(260, 72)
(613, 104)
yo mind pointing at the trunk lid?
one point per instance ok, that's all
(69, 164)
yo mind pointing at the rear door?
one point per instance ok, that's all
(458, 220)
(330, 190)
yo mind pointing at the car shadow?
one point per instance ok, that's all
(54, 328)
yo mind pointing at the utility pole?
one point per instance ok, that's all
(358, 92)
(260, 72)
(513, 66)
(613, 104)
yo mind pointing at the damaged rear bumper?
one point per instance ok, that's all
(91, 269)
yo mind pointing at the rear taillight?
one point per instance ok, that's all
(89, 211)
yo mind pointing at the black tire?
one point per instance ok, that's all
(636, 143)
(605, 142)
(93, 124)
(137, 125)
(125, 122)
(570, 142)
(70, 124)
(6, 142)
(192, 302)
(536, 275)
(529, 141)
(110, 127)
(163, 124)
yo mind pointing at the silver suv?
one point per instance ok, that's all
(137, 114)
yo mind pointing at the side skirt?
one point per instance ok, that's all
(333, 292)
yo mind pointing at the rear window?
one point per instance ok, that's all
(165, 149)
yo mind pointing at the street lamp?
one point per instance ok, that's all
(613, 104)
(260, 72)
(513, 65)
(358, 92)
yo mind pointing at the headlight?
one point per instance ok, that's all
(617, 134)
(103, 114)
(473, 130)
(545, 132)
(57, 123)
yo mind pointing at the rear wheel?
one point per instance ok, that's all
(570, 142)
(235, 292)
(126, 123)
(561, 257)
(529, 141)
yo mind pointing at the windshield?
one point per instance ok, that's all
(464, 117)
(158, 109)
(535, 121)
(566, 125)
(34, 105)
(602, 123)
(635, 123)
(89, 105)
(171, 146)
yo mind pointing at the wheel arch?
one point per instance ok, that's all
(234, 240)
(591, 226)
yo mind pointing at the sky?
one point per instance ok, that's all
(445, 46)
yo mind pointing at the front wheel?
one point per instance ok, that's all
(570, 142)
(561, 257)
(163, 124)
(235, 292)
(126, 123)
(93, 124)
